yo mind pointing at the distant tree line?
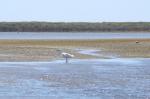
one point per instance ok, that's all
(73, 26)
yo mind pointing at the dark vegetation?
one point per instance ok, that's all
(74, 26)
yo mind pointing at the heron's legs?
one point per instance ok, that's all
(66, 59)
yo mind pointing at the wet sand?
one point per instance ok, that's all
(47, 50)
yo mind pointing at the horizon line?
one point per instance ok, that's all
(84, 21)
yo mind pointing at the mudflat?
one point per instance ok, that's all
(46, 50)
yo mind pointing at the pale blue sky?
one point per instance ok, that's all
(75, 10)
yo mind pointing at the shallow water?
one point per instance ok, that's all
(91, 52)
(72, 35)
(84, 79)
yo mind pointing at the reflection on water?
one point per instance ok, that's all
(84, 79)
(71, 35)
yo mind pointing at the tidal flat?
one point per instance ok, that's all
(46, 50)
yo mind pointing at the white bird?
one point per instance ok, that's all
(67, 55)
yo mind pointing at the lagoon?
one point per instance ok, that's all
(74, 35)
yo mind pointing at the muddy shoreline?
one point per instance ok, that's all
(47, 50)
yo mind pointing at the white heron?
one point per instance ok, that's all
(66, 56)
(137, 42)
